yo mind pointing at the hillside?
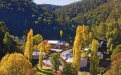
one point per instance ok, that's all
(75, 12)
(49, 6)
(21, 15)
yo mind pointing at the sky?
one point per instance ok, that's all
(55, 2)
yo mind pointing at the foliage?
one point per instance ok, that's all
(84, 55)
(29, 46)
(7, 44)
(84, 73)
(20, 16)
(77, 48)
(50, 7)
(44, 46)
(15, 64)
(45, 72)
(40, 59)
(115, 51)
(61, 33)
(54, 59)
(115, 66)
(8, 41)
(37, 39)
(68, 69)
(94, 59)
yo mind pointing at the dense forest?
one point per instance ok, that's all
(19, 16)
(48, 20)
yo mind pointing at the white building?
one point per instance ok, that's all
(82, 60)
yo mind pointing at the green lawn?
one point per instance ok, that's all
(44, 71)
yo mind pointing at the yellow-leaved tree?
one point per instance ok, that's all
(29, 46)
(94, 59)
(15, 64)
(80, 39)
(77, 49)
(43, 47)
(61, 33)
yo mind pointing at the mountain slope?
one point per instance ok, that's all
(49, 6)
(21, 15)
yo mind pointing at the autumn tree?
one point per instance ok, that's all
(86, 35)
(29, 46)
(94, 59)
(101, 30)
(115, 51)
(91, 36)
(43, 47)
(77, 48)
(115, 66)
(15, 64)
(61, 33)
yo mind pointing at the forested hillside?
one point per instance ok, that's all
(21, 15)
(103, 17)
(50, 7)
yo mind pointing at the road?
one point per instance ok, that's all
(65, 52)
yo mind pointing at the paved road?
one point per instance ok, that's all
(65, 52)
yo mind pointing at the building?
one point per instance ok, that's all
(57, 44)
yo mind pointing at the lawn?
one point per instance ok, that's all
(44, 71)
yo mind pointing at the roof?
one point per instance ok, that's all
(56, 41)
(53, 41)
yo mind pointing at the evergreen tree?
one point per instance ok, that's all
(29, 46)
(94, 59)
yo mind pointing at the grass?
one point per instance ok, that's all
(44, 71)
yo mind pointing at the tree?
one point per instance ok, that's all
(94, 59)
(41, 57)
(77, 48)
(61, 33)
(115, 66)
(29, 46)
(44, 46)
(54, 59)
(15, 64)
(101, 30)
(37, 39)
(68, 69)
(7, 40)
(3, 47)
(91, 36)
(115, 51)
